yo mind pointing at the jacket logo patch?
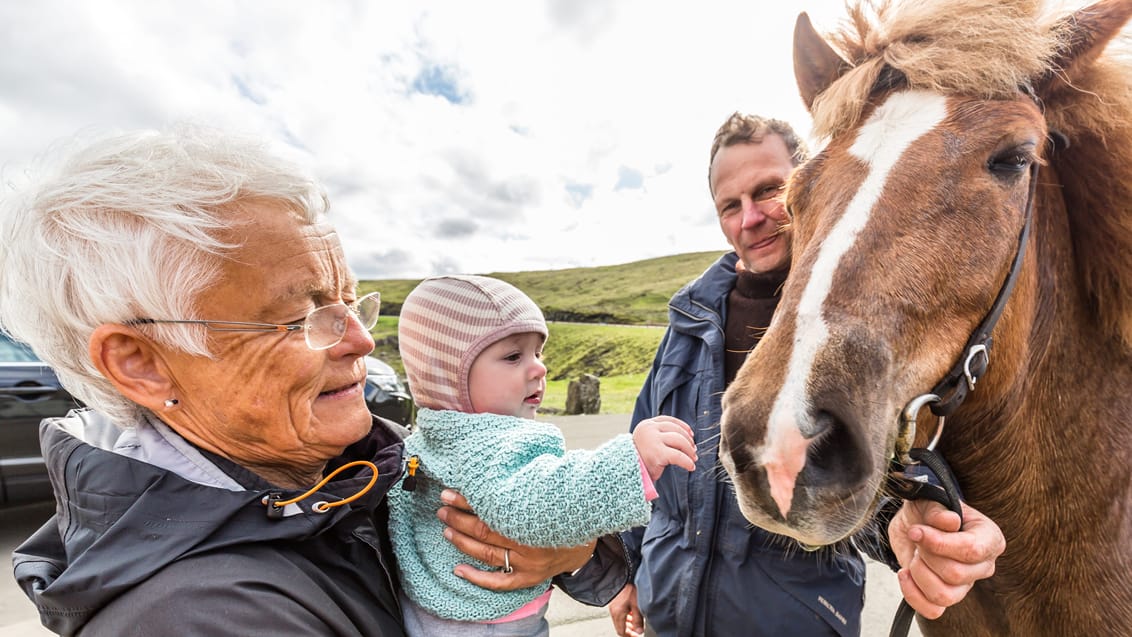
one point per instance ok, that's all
(839, 616)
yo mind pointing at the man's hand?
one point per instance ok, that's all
(940, 563)
(530, 565)
(625, 613)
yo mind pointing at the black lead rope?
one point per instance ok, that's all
(928, 478)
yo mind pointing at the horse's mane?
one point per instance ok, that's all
(986, 48)
(1095, 114)
(990, 49)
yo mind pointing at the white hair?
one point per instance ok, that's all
(126, 227)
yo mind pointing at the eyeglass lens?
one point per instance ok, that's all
(327, 325)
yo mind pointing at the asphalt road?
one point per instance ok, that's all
(567, 617)
(17, 615)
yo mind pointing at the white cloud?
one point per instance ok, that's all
(579, 137)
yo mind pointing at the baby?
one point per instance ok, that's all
(472, 348)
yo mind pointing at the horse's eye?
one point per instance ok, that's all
(1012, 162)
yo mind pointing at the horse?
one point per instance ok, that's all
(974, 174)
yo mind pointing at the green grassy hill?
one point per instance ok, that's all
(604, 321)
(619, 354)
(630, 294)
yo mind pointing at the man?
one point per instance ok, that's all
(702, 568)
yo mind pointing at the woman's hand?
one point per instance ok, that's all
(529, 565)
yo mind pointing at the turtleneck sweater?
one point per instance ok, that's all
(749, 308)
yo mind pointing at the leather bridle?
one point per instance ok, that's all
(921, 473)
(950, 392)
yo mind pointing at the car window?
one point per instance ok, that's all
(15, 351)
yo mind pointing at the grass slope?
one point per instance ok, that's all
(631, 293)
(620, 355)
(571, 350)
(604, 321)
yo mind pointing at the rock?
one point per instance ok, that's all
(583, 396)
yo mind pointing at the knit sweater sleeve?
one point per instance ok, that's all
(521, 481)
(566, 500)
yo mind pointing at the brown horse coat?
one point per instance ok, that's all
(905, 226)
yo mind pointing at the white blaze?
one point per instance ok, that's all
(893, 127)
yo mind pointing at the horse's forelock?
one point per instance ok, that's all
(984, 48)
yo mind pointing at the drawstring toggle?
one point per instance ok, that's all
(410, 481)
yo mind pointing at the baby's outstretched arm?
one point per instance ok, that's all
(662, 441)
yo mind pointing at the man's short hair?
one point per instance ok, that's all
(751, 129)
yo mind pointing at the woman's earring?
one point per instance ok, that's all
(171, 402)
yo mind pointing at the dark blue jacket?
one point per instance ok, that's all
(703, 569)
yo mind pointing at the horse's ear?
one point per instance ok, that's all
(816, 64)
(1086, 32)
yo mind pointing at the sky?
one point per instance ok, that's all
(451, 136)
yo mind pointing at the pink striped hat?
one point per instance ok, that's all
(446, 322)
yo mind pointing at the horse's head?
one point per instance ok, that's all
(905, 227)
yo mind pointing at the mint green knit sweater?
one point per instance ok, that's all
(521, 481)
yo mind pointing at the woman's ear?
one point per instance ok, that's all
(132, 364)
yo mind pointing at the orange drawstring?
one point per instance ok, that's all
(323, 507)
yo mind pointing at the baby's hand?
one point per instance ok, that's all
(662, 441)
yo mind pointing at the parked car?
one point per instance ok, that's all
(386, 395)
(30, 392)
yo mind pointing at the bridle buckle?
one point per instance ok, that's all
(972, 377)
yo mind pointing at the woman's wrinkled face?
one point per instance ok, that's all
(267, 399)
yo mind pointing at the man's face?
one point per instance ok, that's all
(746, 182)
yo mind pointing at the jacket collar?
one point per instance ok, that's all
(705, 299)
(149, 515)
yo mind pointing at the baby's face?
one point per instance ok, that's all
(508, 377)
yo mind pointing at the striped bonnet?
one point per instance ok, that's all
(446, 322)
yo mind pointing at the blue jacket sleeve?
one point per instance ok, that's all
(600, 579)
(643, 410)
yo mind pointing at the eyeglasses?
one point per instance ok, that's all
(324, 327)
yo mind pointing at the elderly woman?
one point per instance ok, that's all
(227, 477)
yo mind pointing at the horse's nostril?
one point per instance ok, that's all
(823, 422)
(740, 454)
(837, 458)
